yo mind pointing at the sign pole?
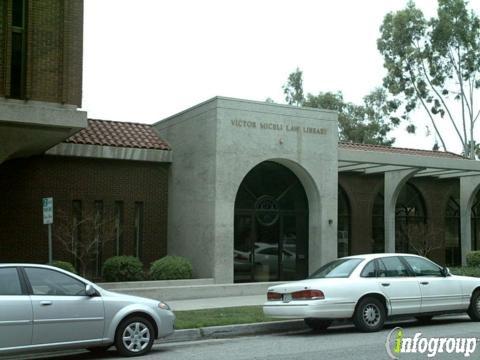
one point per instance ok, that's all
(50, 248)
(48, 220)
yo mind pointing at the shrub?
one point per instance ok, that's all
(64, 265)
(473, 258)
(123, 268)
(171, 268)
(466, 271)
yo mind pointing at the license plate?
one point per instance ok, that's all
(287, 297)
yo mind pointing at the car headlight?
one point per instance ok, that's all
(163, 306)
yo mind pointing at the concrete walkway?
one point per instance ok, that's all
(219, 302)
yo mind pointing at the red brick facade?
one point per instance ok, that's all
(24, 183)
(53, 50)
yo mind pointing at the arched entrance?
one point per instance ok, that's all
(270, 226)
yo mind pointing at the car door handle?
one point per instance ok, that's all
(424, 282)
(385, 284)
(46, 302)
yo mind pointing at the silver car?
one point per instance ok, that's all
(46, 308)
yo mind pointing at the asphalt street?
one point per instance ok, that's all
(341, 342)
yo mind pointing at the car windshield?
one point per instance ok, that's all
(341, 268)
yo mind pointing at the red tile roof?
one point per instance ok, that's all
(119, 134)
(397, 150)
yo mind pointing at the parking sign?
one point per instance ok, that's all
(47, 210)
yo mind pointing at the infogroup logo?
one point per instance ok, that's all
(397, 343)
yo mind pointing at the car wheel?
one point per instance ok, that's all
(98, 349)
(424, 319)
(318, 324)
(134, 336)
(369, 315)
(474, 308)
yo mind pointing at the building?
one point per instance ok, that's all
(248, 191)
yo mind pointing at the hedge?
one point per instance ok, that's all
(123, 268)
(171, 268)
(473, 258)
(466, 271)
(64, 265)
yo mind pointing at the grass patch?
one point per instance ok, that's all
(222, 316)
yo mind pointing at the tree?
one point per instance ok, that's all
(368, 123)
(422, 238)
(83, 237)
(434, 64)
(293, 89)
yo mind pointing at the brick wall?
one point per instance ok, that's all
(54, 50)
(361, 191)
(24, 182)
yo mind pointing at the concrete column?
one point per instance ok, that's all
(394, 181)
(468, 189)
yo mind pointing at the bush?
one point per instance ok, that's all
(473, 258)
(122, 268)
(64, 265)
(466, 271)
(171, 268)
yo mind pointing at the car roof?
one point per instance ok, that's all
(378, 255)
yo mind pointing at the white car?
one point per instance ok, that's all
(370, 288)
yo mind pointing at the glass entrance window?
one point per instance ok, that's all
(271, 226)
(344, 228)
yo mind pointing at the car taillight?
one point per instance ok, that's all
(272, 296)
(308, 295)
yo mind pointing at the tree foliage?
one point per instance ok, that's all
(368, 123)
(434, 64)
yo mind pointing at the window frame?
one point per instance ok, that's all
(424, 259)
(410, 272)
(21, 280)
(30, 288)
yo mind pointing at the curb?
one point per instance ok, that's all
(227, 331)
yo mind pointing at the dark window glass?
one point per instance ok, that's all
(341, 268)
(77, 226)
(369, 270)
(118, 227)
(391, 267)
(17, 12)
(452, 232)
(271, 215)
(98, 233)
(9, 282)
(422, 267)
(410, 220)
(343, 234)
(138, 229)
(51, 282)
(16, 81)
(476, 223)
(378, 224)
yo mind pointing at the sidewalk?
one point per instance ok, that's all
(218, 302)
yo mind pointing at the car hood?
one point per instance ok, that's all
(129, 298)
(316, 284)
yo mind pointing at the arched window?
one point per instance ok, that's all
(270, 226)
(344, 224)
(476, 223)
(409, 219)
(452, 232)
(409, 214)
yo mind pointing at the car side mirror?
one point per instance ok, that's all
(445, 271)
(90, 290)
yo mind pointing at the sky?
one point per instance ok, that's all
(149, 59)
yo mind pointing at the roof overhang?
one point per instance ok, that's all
(110, 152)
(29, 128)
(377, 162)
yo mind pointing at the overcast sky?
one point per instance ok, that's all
(148, 59)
